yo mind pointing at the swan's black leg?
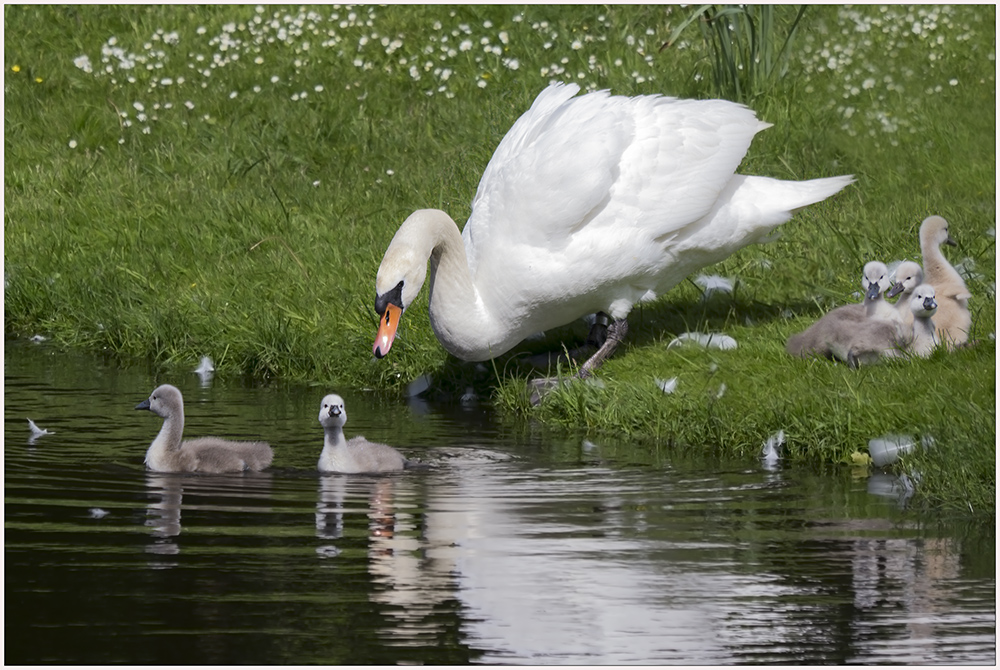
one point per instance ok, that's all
(598, 334)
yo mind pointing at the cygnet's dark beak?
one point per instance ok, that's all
(896, 289)
(334, 410)
(873, 290)
(950, 242)
(143, 405)
(929, 304)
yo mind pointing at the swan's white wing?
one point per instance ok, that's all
(581, 188)
(581, 195)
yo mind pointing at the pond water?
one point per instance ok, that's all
(519, 546)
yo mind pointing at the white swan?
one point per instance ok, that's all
(953, 319)
(909, 276)
(357, 456)
(589, 204)
(210, 455)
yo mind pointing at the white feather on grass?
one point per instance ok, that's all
(713, 284)
(710, 340)
(667, 385)
(967, 268)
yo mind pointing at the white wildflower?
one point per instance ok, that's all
(83, 62)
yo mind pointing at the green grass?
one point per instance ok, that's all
(153, 214)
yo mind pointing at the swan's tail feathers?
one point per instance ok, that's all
(816, 190)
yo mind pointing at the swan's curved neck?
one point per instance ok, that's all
(459, 317)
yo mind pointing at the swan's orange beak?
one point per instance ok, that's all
(387, 330)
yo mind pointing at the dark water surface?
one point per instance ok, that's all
(516, 548)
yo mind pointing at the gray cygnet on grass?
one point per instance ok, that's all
(953, 320)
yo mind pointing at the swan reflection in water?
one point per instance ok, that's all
(166, 492)
(406, 583)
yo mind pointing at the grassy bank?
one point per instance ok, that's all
(183, 181)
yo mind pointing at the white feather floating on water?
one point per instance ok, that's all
(770, 455)
(36, 432)
(418, 385)
(98, 513)
(667, 385)
(205, 367)
(710, 340)
(205, 370)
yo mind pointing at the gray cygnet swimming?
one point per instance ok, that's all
(209, 455)
(357, 455)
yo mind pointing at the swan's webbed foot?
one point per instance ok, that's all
(613, 334)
